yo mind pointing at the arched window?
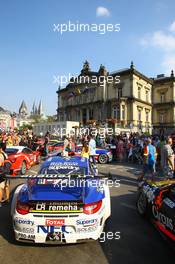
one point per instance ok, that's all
(116, 112)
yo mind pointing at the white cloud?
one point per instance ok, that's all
(159, 39)
(164, 42)
(169, 63)
(102, 11)
(172, 27)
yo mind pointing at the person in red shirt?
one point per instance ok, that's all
(4, 184)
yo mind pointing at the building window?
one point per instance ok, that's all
(161, 118)
(147, 116)
(139, 115)
(139, 92)
(162, 97)
(91, 114)
(116, 112)
(147, 96)
(123, 112)
(119, 92)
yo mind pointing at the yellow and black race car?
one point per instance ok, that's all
(156, 200)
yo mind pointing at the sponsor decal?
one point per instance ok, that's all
(63, 165)
(149, 192)
(86, 229)
(23, 221)
(55, 222)
(27, 230)
(55, 229)
(87, 222)
(25, 236)
(168, 202)
(58, 206)
(168, 222)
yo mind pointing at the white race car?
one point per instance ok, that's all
(70, 208)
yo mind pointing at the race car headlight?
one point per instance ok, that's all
(92, 208)
(22, 208)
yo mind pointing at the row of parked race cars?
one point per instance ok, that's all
(66, 203)
(22, 158)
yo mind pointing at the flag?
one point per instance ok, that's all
(78, 92)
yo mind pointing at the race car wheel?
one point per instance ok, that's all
(142, 204)
(103, 159)
(23, 168)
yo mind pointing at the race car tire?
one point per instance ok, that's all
(103, 159)
(23, 167)
(142, 204)
(107, 224)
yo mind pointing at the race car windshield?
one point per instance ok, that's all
(11, 151)
(64, 170)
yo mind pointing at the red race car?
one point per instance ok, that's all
(55, 146)
(22, 158)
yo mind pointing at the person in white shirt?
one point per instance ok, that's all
(92, 149)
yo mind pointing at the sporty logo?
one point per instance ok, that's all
(55, 222)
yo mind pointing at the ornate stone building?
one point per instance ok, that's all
(121, 98)
(164, 104)
(7, 119)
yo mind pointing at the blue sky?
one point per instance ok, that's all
(31, 53)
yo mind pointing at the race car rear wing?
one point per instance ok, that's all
(54, 176)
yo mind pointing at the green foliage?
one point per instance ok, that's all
(25, 126)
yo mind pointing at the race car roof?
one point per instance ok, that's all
(19, 148)
(73, 161)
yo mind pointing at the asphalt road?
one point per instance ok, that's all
(139, 243)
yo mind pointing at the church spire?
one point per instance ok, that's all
(23, 109)
(40, 108)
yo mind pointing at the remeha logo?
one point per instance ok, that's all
(42, 207)
(55, 222)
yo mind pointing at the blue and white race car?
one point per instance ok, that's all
(62, 204)
(102, 156)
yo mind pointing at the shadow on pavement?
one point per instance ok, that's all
(140, 242)
(126, 180)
